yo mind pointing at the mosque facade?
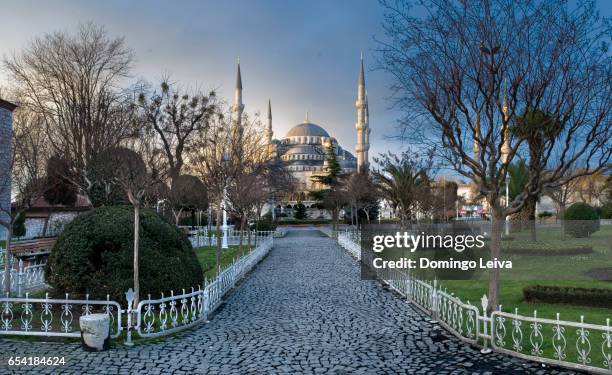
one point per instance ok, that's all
(304, 148)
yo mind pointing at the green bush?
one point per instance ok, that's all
(581, 220)
(19, 228)
(606, 211)
(264, 225)
(545, 214)
(186, 221)
(94, 254)
(299, 211)
(593, 297)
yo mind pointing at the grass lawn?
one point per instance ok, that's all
(562, 270)
(552, 269)
(206, 257)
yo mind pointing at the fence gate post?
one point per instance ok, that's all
(485, 303)
(434, 301)
(20, 279)
(129, 296)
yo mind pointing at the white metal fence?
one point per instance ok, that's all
(53, 317)
(575, 345)
(150, 318)
(199, 237)
(25, 278)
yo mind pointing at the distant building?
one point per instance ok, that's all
(46, 220)
(303, 149)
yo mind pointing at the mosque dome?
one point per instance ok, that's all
(307, 129)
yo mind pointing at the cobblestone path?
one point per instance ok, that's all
(304, 309)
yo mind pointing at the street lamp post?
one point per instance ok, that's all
(457, 207)
(224, 244)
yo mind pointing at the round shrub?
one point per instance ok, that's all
(94, 254)
(581, 220)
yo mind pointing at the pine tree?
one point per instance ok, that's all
(329, 197)
(19, 228)
(299, 211)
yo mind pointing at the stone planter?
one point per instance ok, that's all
(95, 332)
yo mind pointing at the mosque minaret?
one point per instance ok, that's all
(362, 126)
(304, 148)
(238, 108)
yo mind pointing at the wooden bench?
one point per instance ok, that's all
(31, 248)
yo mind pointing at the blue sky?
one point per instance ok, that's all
(303, 55)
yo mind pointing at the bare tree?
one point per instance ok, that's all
(362, 194)
(210, 160)
(73, 83)
(134, 176)
(187, 193)
(247, 190)
(25, 184)
(450, 67)
(176, 118)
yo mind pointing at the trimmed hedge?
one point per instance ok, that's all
(592, 297)
(264, 226)
(581, 220)
(94, 254)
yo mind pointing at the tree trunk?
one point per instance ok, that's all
(177, 216)
(7, 260)
(218, 250)
(249, 240)
(497, 222)
(241, 235)
(561, 214)
(46, 225)
(136, 247)
(530, 207)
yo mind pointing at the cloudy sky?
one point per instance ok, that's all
(303, 55)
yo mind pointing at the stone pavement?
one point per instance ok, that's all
(304, 309)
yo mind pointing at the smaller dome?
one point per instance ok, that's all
(303, 149)
(307, 129)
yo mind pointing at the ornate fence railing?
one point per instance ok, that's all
(150, 318)
(25, 278)
(200, 238)
(576, 345)
(53, 317)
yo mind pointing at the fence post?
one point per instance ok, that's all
(129, 296)
(20, 279)
(434, 301)
(484, 301)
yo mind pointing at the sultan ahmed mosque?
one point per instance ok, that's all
(303, 148)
